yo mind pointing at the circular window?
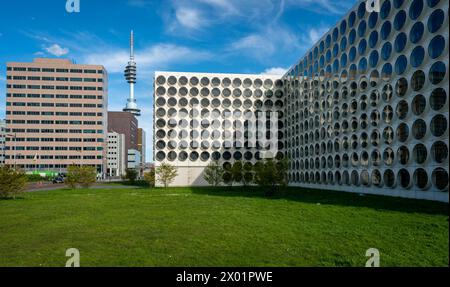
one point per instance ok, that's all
(386, 72)
(362, 66)
(440, 178)
(160, 101)
(436, 20)
(417, 56)
(439, 150)
(437, 72)
(399, 20)
(398, 3)
(418, 105)
(373, 19)
(403, 155)
(438, 125)
(385, 9)
(161, 80)
(418, 80)
(183, 81)
(402, 132)
(204, 81)
(373, 59)
(419, 129)
(402, 109)
(373, 39)
(386, 30)
(436, 47)
(438, 99)
(193, 81)
(172, 80)
(226, 82)
(401, 87)
(421, 178)
(183, 91)
(160, 156)
(416, 9)
(400, 42)
(362, 46)
(416, 32)
(401, 64)
(420, 153)
(160, 91)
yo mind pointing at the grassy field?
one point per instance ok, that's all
(220, 227)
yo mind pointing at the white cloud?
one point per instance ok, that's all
(190, 18)
(316, 33)
(57, 50)
(149, 59)
(275, 71)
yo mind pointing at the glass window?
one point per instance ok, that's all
(435, 21)
(352, 37)
(362, 47)
(335, 50)
(400, 64)
(343, 43)
(362, 10)
(373, 39)
(436, 47)
(437, 72)
(373, 59)
(386, 51)
(343, 27)
(344, 60)
(352, 54)
(386, 72)
(373, 19)
(416, 32)
(416, 9)
(418, 80)
(385, 9)
(335, 34)
(400, 42)
(418, 105)
(386, 30)
(417, 56)
(362, 66)
(351, 19)
(438, 125)
(362, 28)
(438, 99)
(399, 20)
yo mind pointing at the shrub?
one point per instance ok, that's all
(150, 177)
(247, 174)
(12, 182)
(34, 178)
(236, 172)
(271, 175)
(85, 176)
(166, 174)
(131, 175)
(227, 178)
(214, 173)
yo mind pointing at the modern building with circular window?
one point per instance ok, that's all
(365, 110)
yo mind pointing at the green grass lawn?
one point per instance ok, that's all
(220, 227)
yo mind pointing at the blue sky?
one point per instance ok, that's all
(235, 36)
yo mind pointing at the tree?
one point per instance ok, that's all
(166, 173)
(131, 175)
(87, 176)
(236, 172)
(214, 173)
(247, 174)
(12, 182)
(227, 175)
(72, 176)
(271, 174)
(149, 177)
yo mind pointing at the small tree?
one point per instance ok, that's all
(271, 175)
(166, 173)
(131, 175)
(236, 172)
(214, 173)
(73, 173)
(87, 176)
(227, 178)
(149, 177)
(12, 182)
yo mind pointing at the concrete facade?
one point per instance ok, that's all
(56, 114)
(116, 165)
(142, 144)
(365, 110)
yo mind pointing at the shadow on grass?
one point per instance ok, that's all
(323, 197)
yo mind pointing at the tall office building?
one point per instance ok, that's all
(365, 110)
(116, 155)
(124, 123)
(200, 117)
(56, 115)
(2, 141)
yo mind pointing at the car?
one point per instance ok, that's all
(58, 179)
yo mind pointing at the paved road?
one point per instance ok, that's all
(49, 186)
